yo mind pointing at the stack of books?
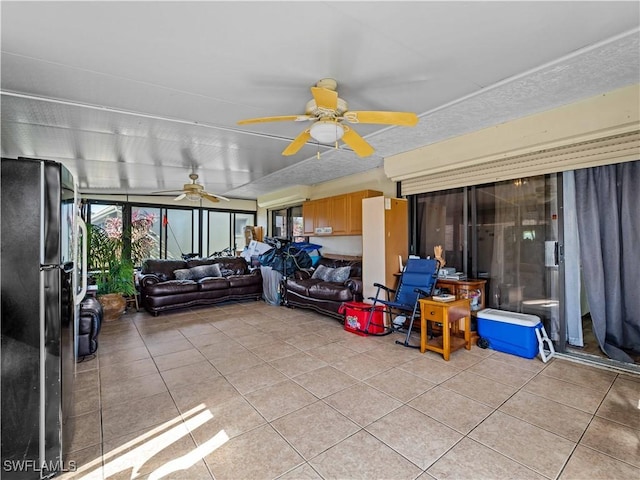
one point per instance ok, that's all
(444, 297)
(449, 273)
(456, 276)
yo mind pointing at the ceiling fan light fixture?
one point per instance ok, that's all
(327, 131)
(194, 197)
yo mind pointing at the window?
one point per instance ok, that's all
(288, 223)
(297, 224)
(179, 233)
(108, 217)
(279, 223)
(146, 223)
(441, 221)
(219, 231)
(242, 220)
(162, 232)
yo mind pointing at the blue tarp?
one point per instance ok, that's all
(286, 260)
(306, 246)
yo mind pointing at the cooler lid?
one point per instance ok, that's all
(524, 319)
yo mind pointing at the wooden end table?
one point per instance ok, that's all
(449, 315)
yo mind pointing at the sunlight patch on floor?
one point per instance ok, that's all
(134, 454)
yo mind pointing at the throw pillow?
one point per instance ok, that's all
(203, 271)
(339, 275)
(322, 272)
(183, 274)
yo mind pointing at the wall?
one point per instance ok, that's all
(596, 131)
(371, 180)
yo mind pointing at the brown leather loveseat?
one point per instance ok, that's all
(171, 284)
(325, 291)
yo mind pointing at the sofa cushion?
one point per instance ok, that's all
(196, 273)
(328, 274)
(321, 272)
(203, 271)
(336, 292)
(183, 274)
(233, 266)
(236, 281)
(196, 262)
(356, 265)
(213, 283)
(162, 268)
(301, 286)
(172, 287)
(339, 275)
(228, 265)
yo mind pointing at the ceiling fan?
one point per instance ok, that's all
(194, 191)
(328, 112)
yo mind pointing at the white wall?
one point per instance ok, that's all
(475, 157)
(371, 180)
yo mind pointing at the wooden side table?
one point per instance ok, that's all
(465, 289)
(449, 314)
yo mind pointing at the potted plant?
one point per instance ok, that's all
(113, 274)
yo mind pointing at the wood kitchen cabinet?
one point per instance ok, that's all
(354, 210)
(323, 213)
(342, 213)
(316, 214)
(339, 214)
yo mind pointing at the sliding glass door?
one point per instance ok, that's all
(517, 246)
(505, 233)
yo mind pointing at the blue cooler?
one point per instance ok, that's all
(509, 332)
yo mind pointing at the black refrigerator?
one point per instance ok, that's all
(38, 214)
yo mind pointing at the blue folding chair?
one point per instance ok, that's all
(416, 281)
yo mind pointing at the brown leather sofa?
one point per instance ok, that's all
(161, 290)
(301, 290)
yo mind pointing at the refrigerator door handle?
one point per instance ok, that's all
(79, 296)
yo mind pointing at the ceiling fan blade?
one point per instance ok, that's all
(282, 118)
(357, 143)
(219, 197)
(180, 197)
(165, 191)
(209, 197)
(387, 118)
(325, 98)
(297, 143)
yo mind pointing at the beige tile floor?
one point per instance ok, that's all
(251, 391)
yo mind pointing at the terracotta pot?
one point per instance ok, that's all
(113, 306)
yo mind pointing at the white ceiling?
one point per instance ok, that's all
(132, 95)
